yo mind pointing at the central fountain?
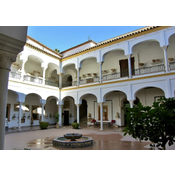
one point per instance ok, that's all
(73, 140)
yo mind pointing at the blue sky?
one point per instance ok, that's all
(64, 37)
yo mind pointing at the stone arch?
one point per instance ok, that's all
(65, 96)
(34, 64)
(52, 67)
(149, 94)
(111, 50)
(168, 33)
(52, 97)
(87, 58)
(123, 89)
(87, 93)
(141, 87)
(17, 94)
(31, 93)
(132, 43)
(170, 50)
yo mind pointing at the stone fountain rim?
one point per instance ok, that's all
(88, 139)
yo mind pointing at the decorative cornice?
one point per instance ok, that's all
(40, 50)
(118, 39)
(44, 46)
(6, 59)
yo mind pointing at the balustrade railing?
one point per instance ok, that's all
(67, 84)
(89, 80)
(111, 76)
(139, 71)
(15, 75)
(51, 83)
(150, 69)
(33, 79)
(172, 65)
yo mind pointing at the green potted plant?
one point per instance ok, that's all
(57, 120)
(44, 125)
(75, 125)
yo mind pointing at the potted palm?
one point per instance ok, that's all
(57, 120)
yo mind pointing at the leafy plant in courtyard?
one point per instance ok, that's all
(57, 117)
(155, 123)
(75, 125)
(44, 125)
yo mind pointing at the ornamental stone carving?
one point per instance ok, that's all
(6, 59)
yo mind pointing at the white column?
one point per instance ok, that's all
(60, 114)
(60, 80)
(78, 76)
(131, 103)
(166, 58)
(129, 66)
(44, 72)
(22, 70)
(101, 116)
(12, 40)
(42, 115)
(100, 71)
(19, 119)
(78, 113)
(6, 60)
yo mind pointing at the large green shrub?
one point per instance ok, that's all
(44, 125)
(155, 123)
(75, 125)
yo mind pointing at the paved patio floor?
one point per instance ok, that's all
(108, 139)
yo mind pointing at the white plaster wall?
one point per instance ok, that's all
(89, 66)
(51, 109)
(116, 98)
(77, 49)
(146, 96)
(148, 52)
(111, 61)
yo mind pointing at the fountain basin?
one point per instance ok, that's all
(66, 143)
(72, 136)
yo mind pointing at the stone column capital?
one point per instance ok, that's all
(78, 105)
(20, 102)
(61, 74)
(6, 59)
(164, 47)
(100, 63)
(101, 103)
(128, 56)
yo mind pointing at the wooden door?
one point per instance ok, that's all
(66, 117)
(124, 70)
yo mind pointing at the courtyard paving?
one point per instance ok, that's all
(108, 139)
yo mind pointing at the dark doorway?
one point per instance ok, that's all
(124, 72)
(69, 81)
(35, 114)
(66, 118)
(83, 112)
(8, 112)
(83, 109)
